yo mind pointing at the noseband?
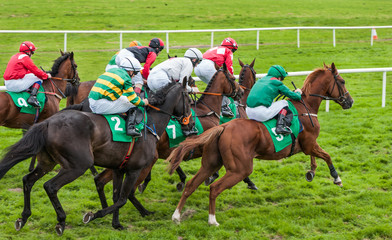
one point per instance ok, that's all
(342, 95)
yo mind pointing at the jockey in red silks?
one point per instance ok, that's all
(143, 54)
(219, 55)
(21, 73)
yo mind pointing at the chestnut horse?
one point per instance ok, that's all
(63, 70)
(91, 144)
(252, 140)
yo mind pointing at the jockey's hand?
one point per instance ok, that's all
(298, 91)
(144, 81)
(145, 101)
(49, 76)
(194, 90)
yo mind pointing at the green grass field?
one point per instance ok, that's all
(286, 206)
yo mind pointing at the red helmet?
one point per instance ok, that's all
(156, 43)
(230, 43)
(27, 46)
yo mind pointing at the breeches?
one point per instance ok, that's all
(104, 106)
(205, 70)
(158, 80)
(19, 85)
(262, 113)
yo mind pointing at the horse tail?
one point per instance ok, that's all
(30, 145)
(177, 155)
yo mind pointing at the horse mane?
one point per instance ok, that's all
(310, 79)
(57, 62)
(159, 97)
(241, 77)
(208, 87)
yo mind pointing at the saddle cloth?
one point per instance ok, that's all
(20, 100)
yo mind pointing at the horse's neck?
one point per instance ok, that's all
(158, 120)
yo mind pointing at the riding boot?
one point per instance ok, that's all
(226, 111)
(281, 124)
(131, 123)
(190, 132)
(32, 100)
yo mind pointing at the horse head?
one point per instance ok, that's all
(326, 83)
(65, 67)
(247, 77)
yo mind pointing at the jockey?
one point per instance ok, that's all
(112, 62)
(21, 73)
(113, 93)
(260, 105)
(145, 55)
(174, 69)
(218, 55)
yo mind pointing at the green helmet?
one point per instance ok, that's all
(277, 71)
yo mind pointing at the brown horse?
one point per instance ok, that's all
(91, 144)
(207, 108)
(63, 70)
(252, 140)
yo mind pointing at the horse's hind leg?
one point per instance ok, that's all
(182, 175)
(52, 186)
(317, 151)
(100, 181)
(312, 172)
(28, 183)
(227, 181)
(117, 184)
(204, 172)
(32, 164)
(251, 185)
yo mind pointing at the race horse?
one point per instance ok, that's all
(77, 140)
(64, 70)
(207, 108)
(252, 140)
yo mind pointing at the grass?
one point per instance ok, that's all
(286, 206)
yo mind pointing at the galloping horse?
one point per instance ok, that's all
(77, 140)
(63, 70)
(252, 140)
(207, 108)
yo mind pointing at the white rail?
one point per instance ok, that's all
(305, 73)
(257, 30)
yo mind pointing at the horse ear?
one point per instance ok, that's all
(325, 66)
(184, 82)
(61, 52)
(241, 63)
(253, 63)
(333, 67)
(216, 66)
(71, 55)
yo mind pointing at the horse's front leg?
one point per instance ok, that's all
(128, 184)
(317, 151)
(312, 172)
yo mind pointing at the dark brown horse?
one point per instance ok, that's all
(77, 140)
(63, 70)
(207, 109)
(252, 140)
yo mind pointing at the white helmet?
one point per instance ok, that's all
(130, 64)
(194, 53)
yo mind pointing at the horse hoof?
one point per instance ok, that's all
(176, 217)
(208, 181)
(252, 187)
(141, 188)
(88, 217)
(19, 224)
(338, 182)
(309, 176)
(118, 226)
(180, 186)
(59, 229)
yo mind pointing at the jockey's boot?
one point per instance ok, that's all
(131, 123)
(281, 124)
(191, 132)
(226, 111)
(32, 100)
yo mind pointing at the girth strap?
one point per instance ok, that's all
(130, 149)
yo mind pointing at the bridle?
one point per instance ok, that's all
(74, 81)
(242, 76)
(342, 95)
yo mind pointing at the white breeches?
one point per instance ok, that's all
(104, 106)
(262, 113)
(158, 80)
(19, 85)
(205, 70)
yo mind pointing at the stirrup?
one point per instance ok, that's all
(283, 130)
(32, 100)
(133, 132)
(226, 112)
